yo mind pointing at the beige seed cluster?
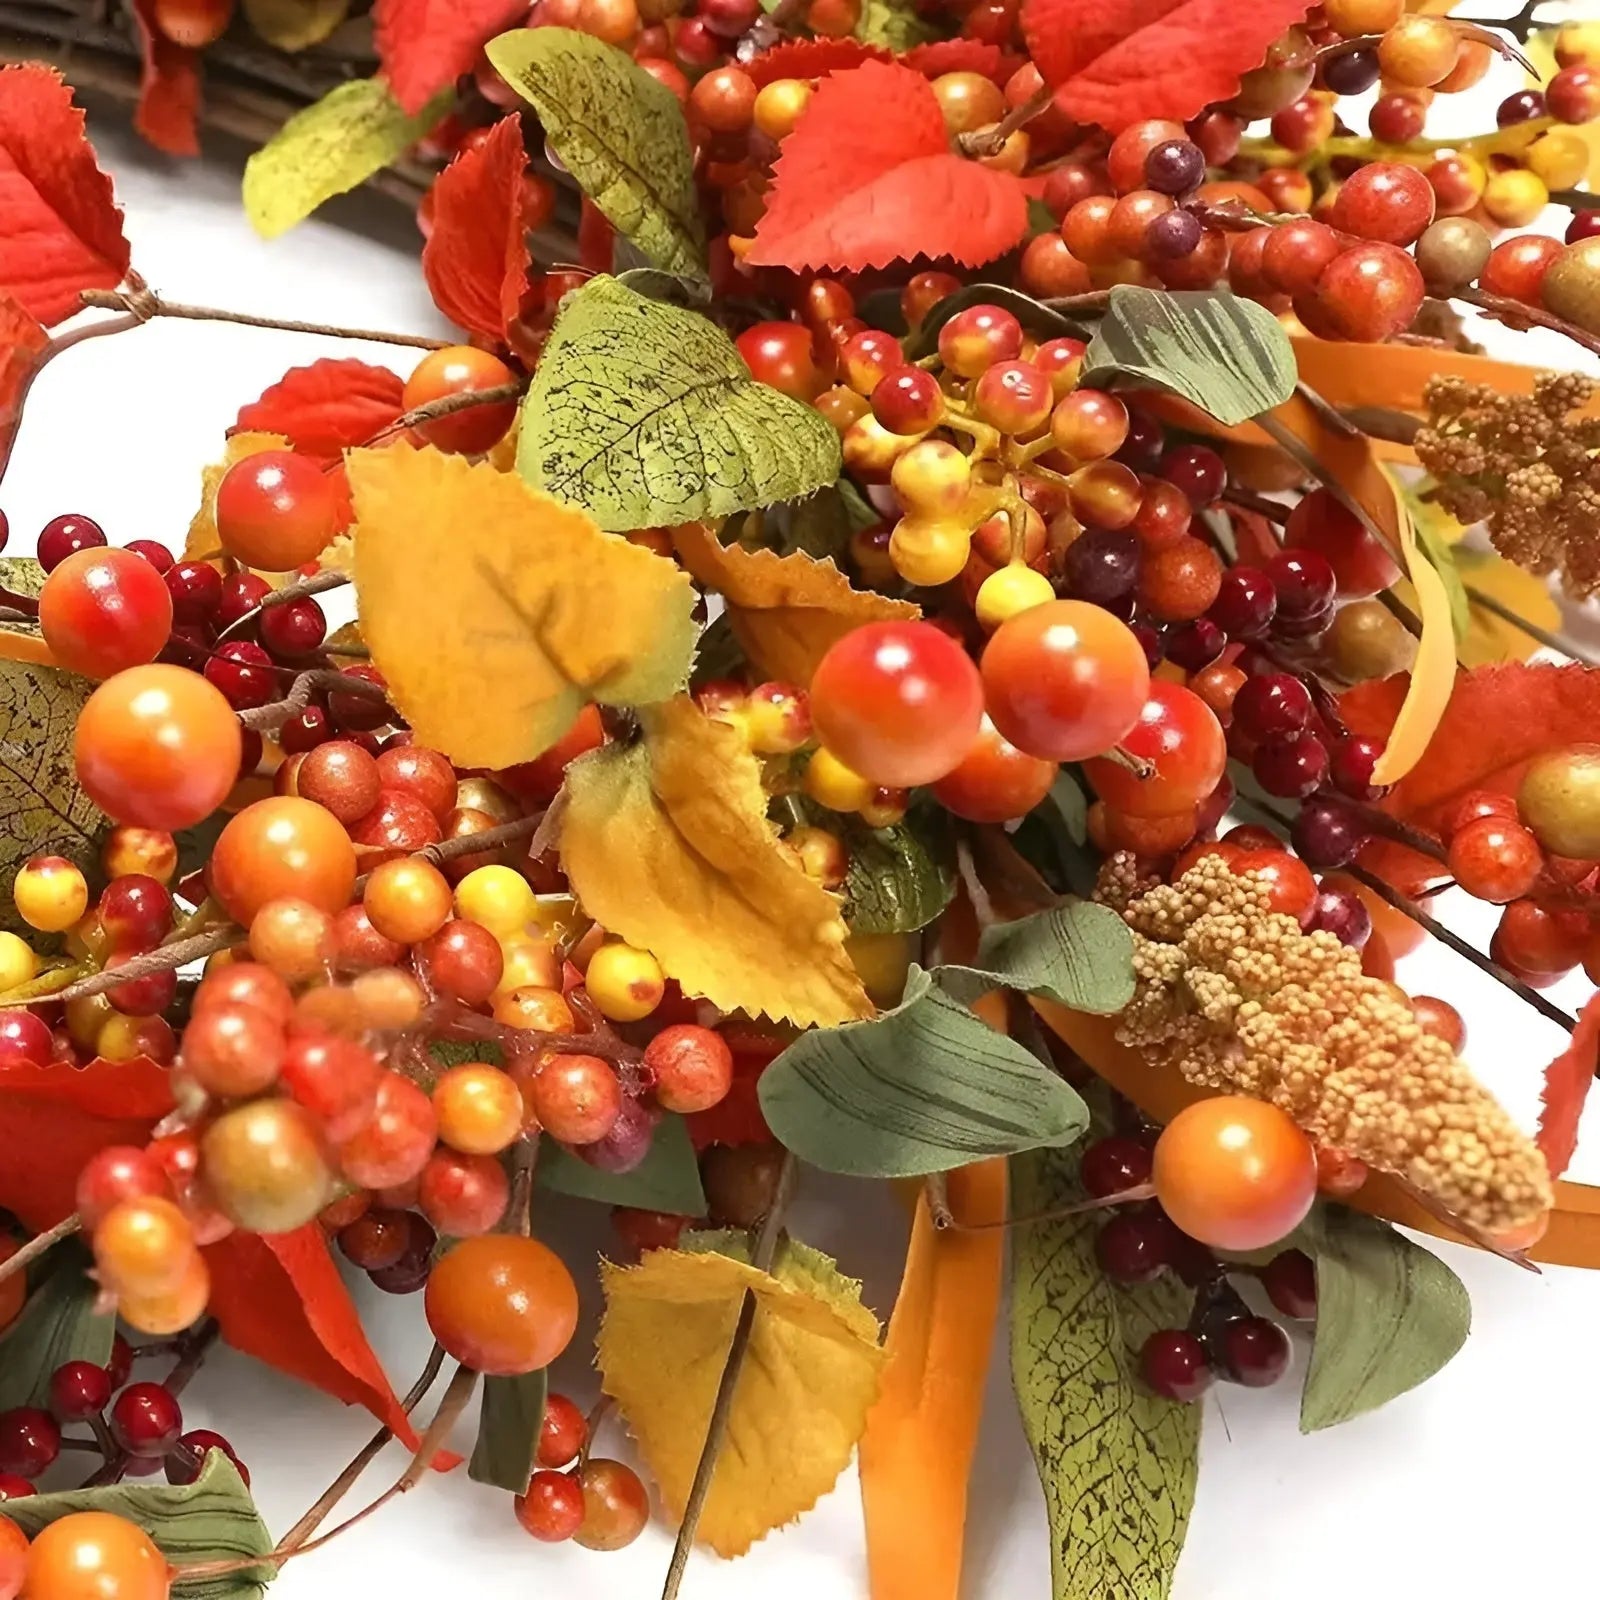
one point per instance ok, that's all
(1238, 997)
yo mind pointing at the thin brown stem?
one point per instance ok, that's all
(319, 583)
(1248, 500)
(143, 305)
(1549, 640)
(164, 958)
(1379, 422)
(761, 1258)
(38, 1245)
(990, 141)
(447, 405)
(277, 712)
(1123, 1197)
(1328, 413)
(1514, 314)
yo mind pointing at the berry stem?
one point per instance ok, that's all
(990, 143)
(300, 691)
(1514, 314)
(761, 1258)
(41, 1242)
(447, 405)
(178, 953)
(1549, 640)
(1249, 500)
(1123, 1197)
(320, 583)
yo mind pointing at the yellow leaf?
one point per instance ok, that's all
(1489, 637)
(295, 24)
(809, 1377)
(785, 611)
(202, 543)
(496, 613)
(339, 554)
(667, 844)
(1433, 674)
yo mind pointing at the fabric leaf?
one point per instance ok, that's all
(60, 231)
(58, 1323)
(646, 415)
(336, 143)
(901, 877)
(295, 25)
(810, 58)
(785, 611)
(509, 1418)
(940, 56)
(801, 1401)
(496, 614)
(668, 1179)
(211, 1519)
(169, 87)
(22, 338)
(1389, 1315)
(1119, 61)
(425, 45)
(667, 844)
(867, 177)
(476, 258)
(327, 407)
(1489, 637)
(618, 131)
(1567, 1081)
(1117, 1462)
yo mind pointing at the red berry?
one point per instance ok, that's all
(1291, 765)
(30, 1441)
(1174, 1364)
(561, 1433)
(146, 1420)
(1272, 703)
(1372, 291)
(1290, 1281)
(1495, 858)
(693, 1067)
(1112, 1165)
(104, 610)
(1384, 200)
(1133, 1247)
(551, 1508)
(1255, 1351)
(275, 510)
(295, 629)
(65, 536)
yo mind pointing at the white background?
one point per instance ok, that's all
(1477, 1485)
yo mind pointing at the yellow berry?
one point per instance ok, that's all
(1559, 160)
(823, 857)
(832, 784)
(529, 963)
(1418, 51)
(870, 450)
(1515, 197)
(886, 808)
(779, 105)
(1578, 43)
(625, 983)
(928, 554)
(479, 1108)
(18, 963)
(497, 898)
(1014, 588)
(50, 894)
(932, 478)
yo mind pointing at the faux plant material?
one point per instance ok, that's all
(425, 45)
(58, 1324)
(509, 1416)
(666, 1180)
(1567, 1081)
(325, 408)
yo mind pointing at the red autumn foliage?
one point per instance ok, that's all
(280, 1299)
(1120, 61)
(425, 45)
(1566, 1088)
(810, 58)
(327, 407)
(169, 88)
(868, 177)
(959, 55)
(22, 337)
(60, 230)
(476, 258)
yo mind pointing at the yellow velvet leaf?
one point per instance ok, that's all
(202, 543)
(667, 844)
(809, 1377)
(496, 613)
(785, 611)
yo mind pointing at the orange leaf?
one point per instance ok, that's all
(476, 258)
(22, 337)
(959, 55)
(425, 45)
(1567, 1081)
(325, 408)
(169, 91)
(810, 58)
(867, 177)
(60, 232)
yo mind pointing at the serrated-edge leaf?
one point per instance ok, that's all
(57, 1324)
(211, 1519)
(1389, 1315)
(336, 143)
(1117, 1463)
(620, 132)
(668, 1179)
(899, 878)
(645, 415)
(1228, 356)
(509, 1418)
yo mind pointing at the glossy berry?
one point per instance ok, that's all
(1246, 602)
(1351, 767)
(146, 1419)
(1384, 200)
(1198, 471)
(1272, 704)
(30, 1441)
(1175, 166)
(1101, 566)
(1132, 1247)
(460, 369)
(615, 1505)
(196, 590)
(1495, 859)
(1326, 834)
(187, 1458)
(1255, 1351)
(1291, 765)
(244, 673)
(96, 1555)
(65, 536)
(104, 610)
(552, 1507)
(1113, 1164)
(1343, 913)
(1290, 1281)
(276, 510)
(502, 1304)
(1178, 736)
(1175, 1365)
(561, 1432)
(294, 629)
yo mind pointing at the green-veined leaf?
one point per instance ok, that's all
(896, 27)
(1078, 954)
(899, 878)
(668, 1179)
(1228, 356)
(508, 1431)
(59, 1323)
(645, 415)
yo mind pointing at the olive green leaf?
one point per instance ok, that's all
(668, 1179)
(620, 132)
(821, 525)
(645, 415)
(57, 1324)
(1389, 1315)
(1228, 356)
(295, 24)
(1117, 1462)
(336, 143)
(211, 1519)
(899, 878)
(508, 1431)
(1078, 954)
(896, 27)
(44, 811)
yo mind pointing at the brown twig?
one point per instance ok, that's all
(1328, 413)
(1514, 314)
(1247, 500)
(990, 141)
(447, 405)
(1123, 1197)
(277, 712)
(1532, 629)
(761, 1258)
(163, 958)
(318, 583)
(38, 1245)
(1379, 422)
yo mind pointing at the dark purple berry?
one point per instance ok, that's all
(1146, 440)
(1292, 765)
(1342, 913)
(1523, 106)
(1151, 642)
(1245, 604)
(1198, 470)
(1326, 834)
(1173, 235)
(65, 536)
(1193, 645)
(1255, 1351)
(1351, 765)
(1132, 1248)
(1304, 581)
(1113, 1165)
(1352, 73)
(1175, 166)
(1290, 1281)
(1102, 565)
(1272, 704)
(1174, 1364)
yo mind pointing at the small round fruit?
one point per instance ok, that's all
(497, 898)
(393, 1146)
(693, 1067)
(781, 355)
(283, 847)
(1174, 1363)
(576, 1098)
(276, 510)
(461, 369)
(1559, 801)
(502, 1304)
(1178, 734)
(626, 983)
(95, 1555)
(1010, 591)
(50, 893)
(551, 1507)
(615, 1505)
(102, 611)
(407, 900)
(1495, 858)
(143, 1247)
(996, 782)
(1234, 1173)
(479, 1108)
(1255, 1351)
(265, 1166)
(1571, 288)
(561, 1432)
(157, 747)
(162, 1315)
(898, 702)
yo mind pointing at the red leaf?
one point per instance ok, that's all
(326, 408)
(476, 259)
(169, 90)
(22, 337)
(1566, 1087)
(958, 55)
(1124, 60)
(867, 177)
(425, 45)
(60, 231)
(810, 58)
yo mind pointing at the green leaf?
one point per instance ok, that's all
(295, 25)
(1117, 1462)
(57, 1324)
(336, 143)
(668, 1179)
(1078, 954)
(1228, 356)
(900, 878)
(508, 1431)
(1041, 219)
(620, 132)
(211, 1519)
(44, 811)
(821, 525)
(1389, 1315)
(645, 415)
(896, 27)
